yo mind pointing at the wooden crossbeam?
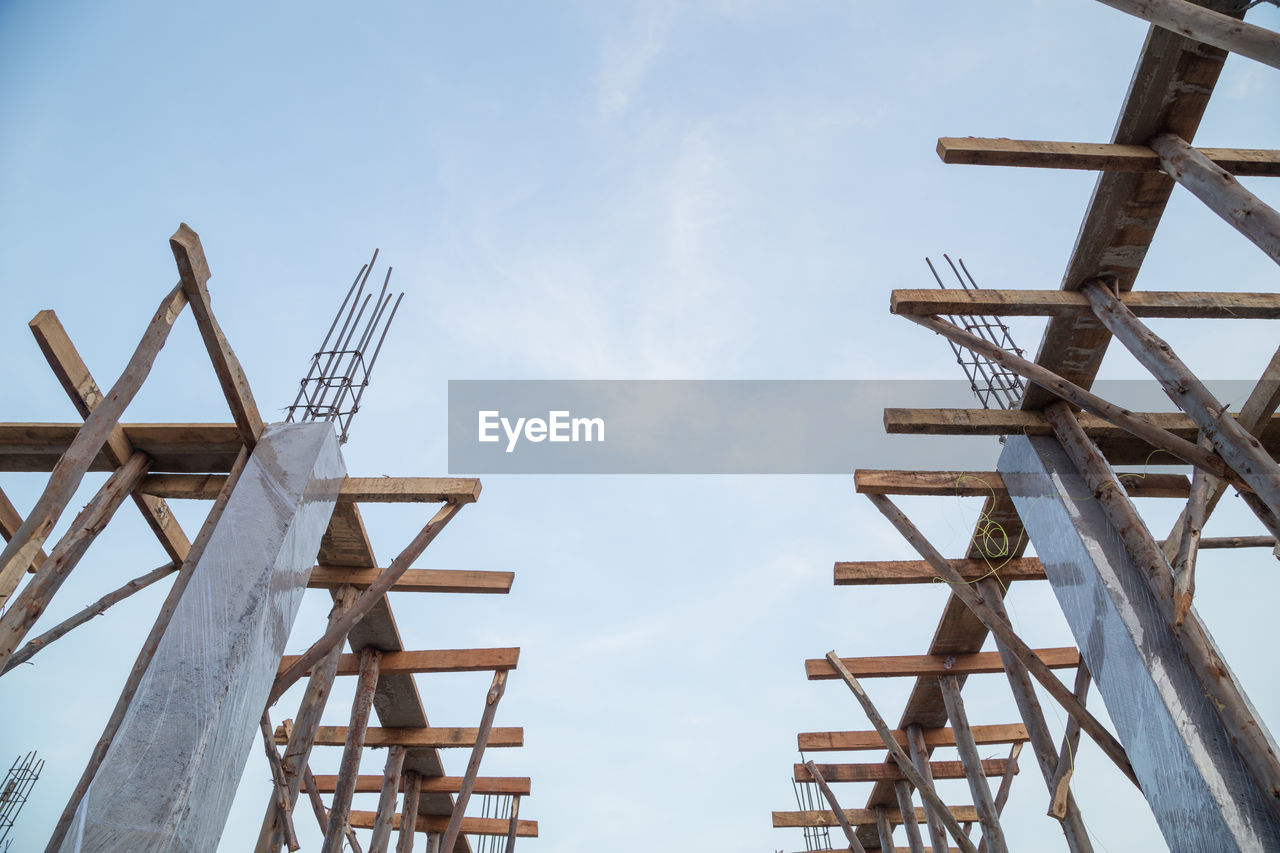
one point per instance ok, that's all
(885, 572)
(1092, 156)
(415, 580)
(511, 785)
(354, 489)
(889, 772)
(933, 738)
(861, 817)
(990, 483)
(434, 660)
(430, 736)
(1060, 303)
(181, 447)
(974, 663)
(470, 825)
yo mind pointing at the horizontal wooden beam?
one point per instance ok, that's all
(886, 572)
(415, 580)
(1069, 303)
(1093, 156)
(511, 785)
(354, 489)
(435, 823)
(433, 736)
(989, 484)
(434, 660)
(863, 817)
(180, 447)
(933, 738)
(890, 772)
(974, 663)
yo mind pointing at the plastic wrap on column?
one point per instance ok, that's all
(169, 778)
(1195, 782)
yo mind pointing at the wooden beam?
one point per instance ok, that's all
(74, 376)
(889, 666)
(436, 823)
(415, 580)
(180, 447)
(280, 784)
(1207, 26)
(991, 484)
(443, 660)
(513, 825)
(1061, 303)
(409, 824)
(384, 817)
(906, 811)
(336, 832)
(1221, 193)
(193, 270)
(1058, 785)
(431, 736)
(975, 768)
(933, 819)
(884, 829)
(354, 489)
(866, 817)
(24, 545)
(496, 689)
(887, 771)
(933, 738)
(510, 785)
(854, 844)
(1089, 156)
(10, 521)
(885, 572)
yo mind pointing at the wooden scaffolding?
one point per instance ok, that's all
(152, 463)
(1149, 153)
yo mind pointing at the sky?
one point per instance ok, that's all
(634, 190)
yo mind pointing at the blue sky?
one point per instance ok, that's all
(581, 190)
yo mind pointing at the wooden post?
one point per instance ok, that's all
(1237, 447)
(854, 844)
(97, 608)
(281, 787)
(515, 823)
(1000, 627)
(65, 478)
(884, 829)
(1207, 26)
(1059, 785)
(1220, 192)
(338, 630)
(1251, 739)
(992, 834)
(920, 758)
(1090, 402)
(1006, 783)
(409, 817)
(302, 734)
(907, 808)
(496, 690)
(1184, 563)
(350, 767)
(927, 793)
(30, 604)
(147, 651)
(385, 819)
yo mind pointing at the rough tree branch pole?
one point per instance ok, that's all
(1207, 26)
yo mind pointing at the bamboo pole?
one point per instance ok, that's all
(409, 817)
(30, 604)
(96, 609)
(1000, 627)
(496, 689)
(992, 834)
(361, 707)
(384, 821)
(1251, 739)
(1086, 400)
(854, 844)
(920, 758)
(1060, 784)
(907, 808)
(147, 652)
(1207, 26)
(1220, 192)
(927, 793)
(278, 780)
(337, 632)
(515, 823)
(297, 752)
(884, 830)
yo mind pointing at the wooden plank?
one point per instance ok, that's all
(884, 572)
(178, 447)
(511, 785)
(889, 772)
(991, 484)
(1059, 303)
(354, 489)
(1091, 156)
(890, 666)
(415, 580)
(74, 376)
(933, 738)
(470, 825)
(434, 660)
(859, 817)
(1206, 25)
(433, 736)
